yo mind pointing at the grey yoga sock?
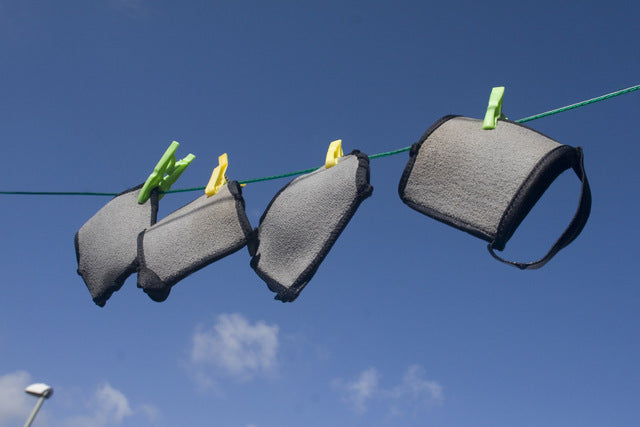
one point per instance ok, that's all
(106, 247)
(192, 237)
(304, 220)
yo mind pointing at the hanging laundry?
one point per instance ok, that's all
(485, 182)
(304, 220)
(106, 247)
(192, 237)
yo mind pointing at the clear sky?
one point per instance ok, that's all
(408, 321)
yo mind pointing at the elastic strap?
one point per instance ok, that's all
(573, 230)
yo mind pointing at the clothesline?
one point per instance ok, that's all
(300, 172)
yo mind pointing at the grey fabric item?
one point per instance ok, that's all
(106, 245)
(191, 238)
(304, 220)
(486, 181)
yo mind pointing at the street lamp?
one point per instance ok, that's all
(42, 391)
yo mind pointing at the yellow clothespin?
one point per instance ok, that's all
(218, 177)
(333, 154)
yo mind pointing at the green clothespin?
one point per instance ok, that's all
(166, 166)
(494, 109)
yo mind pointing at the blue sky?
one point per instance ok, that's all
(408, 321)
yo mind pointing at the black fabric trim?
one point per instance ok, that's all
(153, 285)
(158, 290)
(574, 228)
(236, 189)
(532, 188)
(253, 242)
(413, 154)
(363, 190)
(541, 177)
(449, 220)
(137, 187)
(101, 300)
(154, 199)
(77, 246)
(247, 229)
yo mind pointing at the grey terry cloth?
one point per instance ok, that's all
(194, 236)
(304, 220)
(106, 245)
(486, 181)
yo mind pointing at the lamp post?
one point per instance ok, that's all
(42, 391)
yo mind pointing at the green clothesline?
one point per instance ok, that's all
(374, 156)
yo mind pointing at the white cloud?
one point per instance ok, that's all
(360, 391)
(234, 347)
(109, 407)
(15, 404)
(151, 412)
(413, 391)
(415, 388)
(113, 403)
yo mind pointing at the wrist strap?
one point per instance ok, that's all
(573, 230)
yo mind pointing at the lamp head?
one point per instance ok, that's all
(40, 390)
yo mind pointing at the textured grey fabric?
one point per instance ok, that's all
(106, 245)
(190, 238)
(303, 222)
(468, 176)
